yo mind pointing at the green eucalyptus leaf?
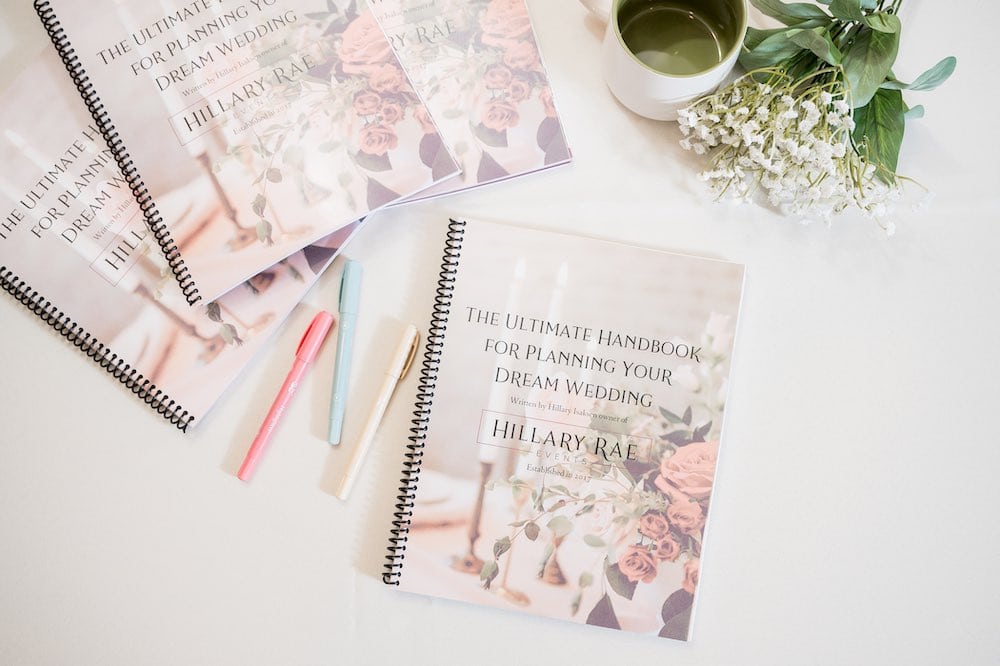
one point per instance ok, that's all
(264, 231)
(228, 333)
(488, 573)
(914, 113)
(531, 530)
(884, 22)
(818, 41)
(879, 129)
(294, 156)
(618, 582)
(560, 526)
(586, 578)
(550, 549)
(790, 13)
(867, 62)
(848, 10)
(593, 540)
(501, 546)
(755, 36)
(214, 312)
(929, 80)
(258, 205)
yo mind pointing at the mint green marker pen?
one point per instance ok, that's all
(350, 296)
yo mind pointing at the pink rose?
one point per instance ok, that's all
(686, 515)
(653, 525)
(424, 118)
(691, 468)
(666, 549)
(691, 569)
(367, 103)
(386, 78)
(500, 114)
(497, 77)
(392, 113)
(522, 55)
(378, 139)
(546, 97)
(363, 43)
(638, 564)
(506, 19)
(519, 90)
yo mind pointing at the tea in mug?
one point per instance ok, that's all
(676, 36)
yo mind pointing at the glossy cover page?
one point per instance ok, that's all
(294, 115)
(574, 430)
(71, 231)
(478, 65)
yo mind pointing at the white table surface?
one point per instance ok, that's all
(855, 512)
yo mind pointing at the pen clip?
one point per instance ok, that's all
(411, 355)
(343, 283)
(350, 287)
(313, 337)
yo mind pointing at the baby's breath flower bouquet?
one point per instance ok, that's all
(817, 122)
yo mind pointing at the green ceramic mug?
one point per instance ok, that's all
(659, 55)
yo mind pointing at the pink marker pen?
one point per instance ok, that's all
(312, 340)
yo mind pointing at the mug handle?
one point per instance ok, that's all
(600, 9)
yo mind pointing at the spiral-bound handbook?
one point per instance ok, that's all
(74, 250)
(291, 119)
(567, 424)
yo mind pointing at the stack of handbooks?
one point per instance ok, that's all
(229, 152)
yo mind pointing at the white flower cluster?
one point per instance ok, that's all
(791, 141)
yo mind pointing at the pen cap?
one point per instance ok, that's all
(313, 338)
(350, 287)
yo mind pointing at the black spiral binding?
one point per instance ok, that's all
(89, 95)
(425, 396)
(96, 350)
